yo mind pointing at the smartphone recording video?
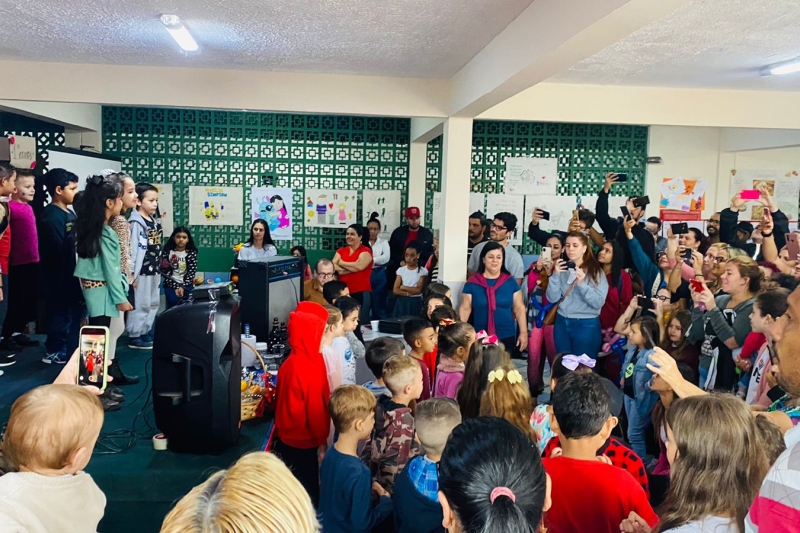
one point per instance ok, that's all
(625, 212)
(622, 177)
(545, 214)
(92, 362)
(645, 303)
(681, 228)
(642, 201)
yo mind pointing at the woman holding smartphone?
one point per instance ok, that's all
(104, 285)
(580, 286)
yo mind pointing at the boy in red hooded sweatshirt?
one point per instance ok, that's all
(302, 419)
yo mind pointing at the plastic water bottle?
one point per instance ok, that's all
(247, 330)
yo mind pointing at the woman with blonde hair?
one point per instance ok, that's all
(718, 461)
(580, 286)
(507, 396)
(722, 323)
(258, 494)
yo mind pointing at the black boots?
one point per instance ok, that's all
(120, 378)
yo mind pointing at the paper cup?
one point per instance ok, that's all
(374, 324)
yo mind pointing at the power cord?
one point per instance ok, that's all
(123, 440)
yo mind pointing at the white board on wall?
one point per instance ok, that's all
(81, 163)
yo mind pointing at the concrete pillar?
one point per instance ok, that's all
(456, 175)
(417, 171)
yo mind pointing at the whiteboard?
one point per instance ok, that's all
(81, 163)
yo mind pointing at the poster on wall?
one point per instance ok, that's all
(498, 203)
(22, 151)
(273, 205)
(687, 195)
(325, 208)
(386, 204)
(216, 206)
(531, 175)
(438, 212)
(783, 186)
(165, 207)
(559, 207)
(477, 202)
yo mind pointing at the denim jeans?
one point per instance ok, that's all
(637, 424)
(172, 298)
(63, 325)
(379, 290)
(578, 336)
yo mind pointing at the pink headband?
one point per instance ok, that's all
(502, 491)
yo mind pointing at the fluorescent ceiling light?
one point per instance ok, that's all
(179, 33)
(785, 67)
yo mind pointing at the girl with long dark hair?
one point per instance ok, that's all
(180, 253)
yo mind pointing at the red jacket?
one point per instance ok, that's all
(302, 419)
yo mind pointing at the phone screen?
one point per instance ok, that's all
(92, 362)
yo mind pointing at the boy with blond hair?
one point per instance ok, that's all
(347, 488)
(416, 500)
(48, 442)
(393, 443)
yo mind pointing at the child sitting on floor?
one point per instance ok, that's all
(420, 336)
(380, 351)
(416, 501)
(455, 340)
(393, 444)
(346, 484)
(48, 442)
(581, 409)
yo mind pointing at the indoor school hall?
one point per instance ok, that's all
(195, 203)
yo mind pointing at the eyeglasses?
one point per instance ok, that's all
(663, 298)
(325, 275)
(719, 259)
(498, 228)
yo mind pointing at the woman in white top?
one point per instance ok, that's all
(259, 245)
(380, 256)
(718, 459)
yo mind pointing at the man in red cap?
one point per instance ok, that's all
(402, 237)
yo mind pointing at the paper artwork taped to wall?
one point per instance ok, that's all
(273, 205)
(679, 194)
(216, 206)
(387, 206)
(323, 208)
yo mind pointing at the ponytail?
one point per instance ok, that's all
(493, 478)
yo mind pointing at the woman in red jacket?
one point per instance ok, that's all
(302, 419)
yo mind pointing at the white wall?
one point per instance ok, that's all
(694, 152)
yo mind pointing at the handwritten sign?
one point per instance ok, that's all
(22, 151)
(531, 175)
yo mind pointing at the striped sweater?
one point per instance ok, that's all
(777, 506)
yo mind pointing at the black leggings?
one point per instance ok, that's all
(304, 466)
(23, 298)
(100, 321)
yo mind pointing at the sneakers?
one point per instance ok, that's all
(113, 394)
(120, 378)
(58, 358)
(140, 343)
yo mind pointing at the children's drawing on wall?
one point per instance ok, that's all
(215, 206)
(273, 205)
(325, 208)
(386, 204)
(679, 194)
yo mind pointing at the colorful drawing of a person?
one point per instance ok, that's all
(342, 213)
(322, 209)
(279, 207)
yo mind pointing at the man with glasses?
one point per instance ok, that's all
(312, 289)
(500, 230)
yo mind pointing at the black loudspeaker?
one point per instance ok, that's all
(270, 288)
(197, 372)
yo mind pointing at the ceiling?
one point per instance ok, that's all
(403, 38)
(707, 43)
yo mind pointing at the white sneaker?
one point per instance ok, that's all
(8, 363)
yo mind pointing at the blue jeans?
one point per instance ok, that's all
(63, 326)
(578, 336)
(637, 425)
(379, 292)
(172, 298)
